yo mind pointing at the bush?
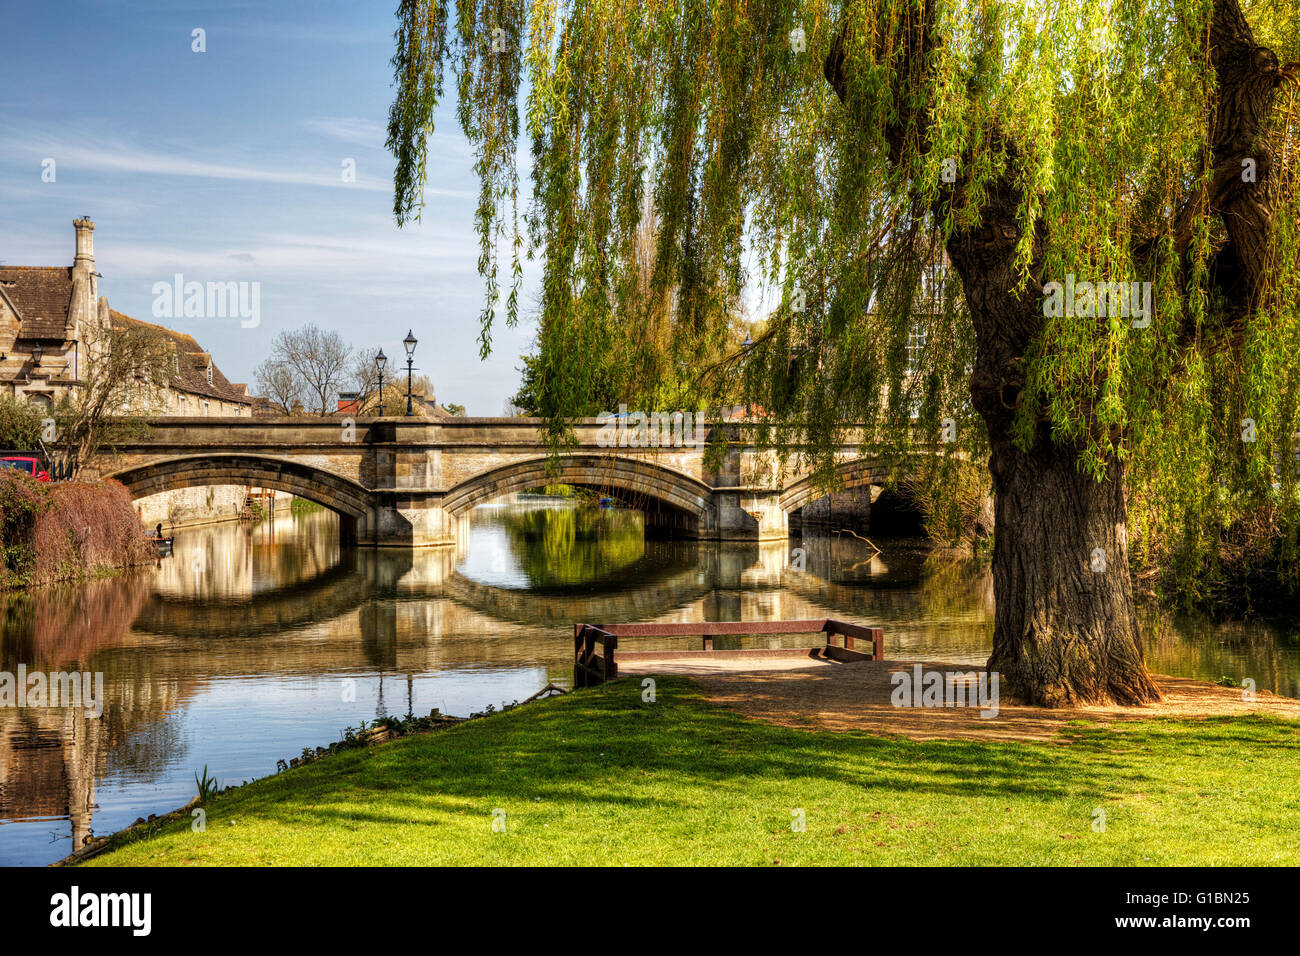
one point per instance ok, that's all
(20, 423)
(68, 530)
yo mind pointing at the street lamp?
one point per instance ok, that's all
(409, 342)
(36, 354)
(381, 362)
(747, 345)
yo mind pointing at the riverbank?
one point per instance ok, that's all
(66, 531)
(605, 776)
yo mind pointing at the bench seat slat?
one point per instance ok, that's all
(715, 628)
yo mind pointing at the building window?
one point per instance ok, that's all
(915, 350)
(205, 408)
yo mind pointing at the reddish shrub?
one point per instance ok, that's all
(68, 622)
(65, 530)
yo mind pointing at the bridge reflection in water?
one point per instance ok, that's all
(249, 645)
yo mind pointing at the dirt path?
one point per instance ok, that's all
(832, 696)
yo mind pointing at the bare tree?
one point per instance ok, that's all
(125, 378)
(395, 396)
(280, 384)
(319, 360)
(364, 379)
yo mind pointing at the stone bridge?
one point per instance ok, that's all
(413, 482)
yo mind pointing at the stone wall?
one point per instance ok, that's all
(203, 504)
(843, 509)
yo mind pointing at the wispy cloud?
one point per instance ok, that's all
(384, 261)
(120, 157)
(445, 143)
(349, 129)
(126, 159)
(229, 166)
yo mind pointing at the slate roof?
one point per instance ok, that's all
(193, 363)
(42, 295)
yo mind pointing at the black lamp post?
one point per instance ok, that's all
(409, 342)
(747, 345)
(381, 362)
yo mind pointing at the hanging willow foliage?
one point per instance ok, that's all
(868, 165)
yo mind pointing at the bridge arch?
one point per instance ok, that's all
(638, 477)
(339, 494)
(855, 473)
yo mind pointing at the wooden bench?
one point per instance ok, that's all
(592, 667)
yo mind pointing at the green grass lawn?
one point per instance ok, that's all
(599, 777)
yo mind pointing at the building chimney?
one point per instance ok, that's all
(85, 244)
(85, 288)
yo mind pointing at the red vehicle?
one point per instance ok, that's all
(28, 464)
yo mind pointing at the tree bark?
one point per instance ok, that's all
(1065, 630)
(1064, 627)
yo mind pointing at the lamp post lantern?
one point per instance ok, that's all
(381, 362)
(409, 342)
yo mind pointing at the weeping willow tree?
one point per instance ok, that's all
(957, 208)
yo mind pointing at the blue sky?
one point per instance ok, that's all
(227, 165)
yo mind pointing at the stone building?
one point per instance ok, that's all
(47, 314)
(196, 386)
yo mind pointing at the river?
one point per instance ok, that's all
(250, 644)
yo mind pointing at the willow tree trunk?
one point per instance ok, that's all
(1065, 632)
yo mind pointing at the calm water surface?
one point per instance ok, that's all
(249, 645)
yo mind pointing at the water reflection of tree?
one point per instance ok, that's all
(573, 545)
(956, 587)
(87, 628)
(1209, 650)
(54, 626)
(149, 737)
